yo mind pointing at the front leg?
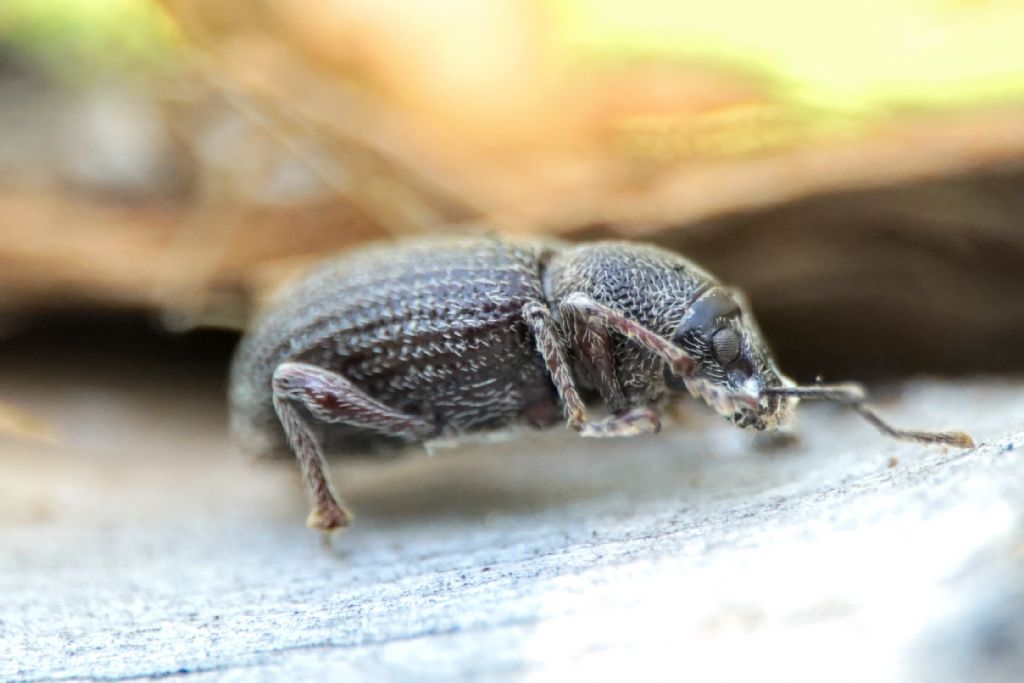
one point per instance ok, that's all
(329, 397)
(679, 362)
(552, 349)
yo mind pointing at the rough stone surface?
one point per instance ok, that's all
(139, 547)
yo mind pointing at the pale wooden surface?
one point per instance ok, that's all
(138, 547)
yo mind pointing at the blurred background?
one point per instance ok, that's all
(857, 168)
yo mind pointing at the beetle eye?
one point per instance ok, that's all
(726, 345)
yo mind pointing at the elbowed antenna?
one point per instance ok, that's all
(853, 396)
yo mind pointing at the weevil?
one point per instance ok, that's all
(394, 345)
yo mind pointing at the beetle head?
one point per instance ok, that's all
(732, 364)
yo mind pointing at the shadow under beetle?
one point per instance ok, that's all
(405, 343)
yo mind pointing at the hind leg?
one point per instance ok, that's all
(329, 397)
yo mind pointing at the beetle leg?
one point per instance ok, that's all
(678, 360)
(593, 346)
(641, 420)
(329, 397)
(552, 349)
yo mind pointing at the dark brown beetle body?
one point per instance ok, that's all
(433, 331)
(398, 344)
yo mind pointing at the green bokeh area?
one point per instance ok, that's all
(857, 58)
(840, 62)
(84, 39)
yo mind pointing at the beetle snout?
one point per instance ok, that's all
(747, 418)
(767, 412)
(773, 412)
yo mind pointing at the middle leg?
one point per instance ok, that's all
(552, 350)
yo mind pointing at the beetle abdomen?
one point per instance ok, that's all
(431, 329)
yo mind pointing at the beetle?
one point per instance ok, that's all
(399, 344)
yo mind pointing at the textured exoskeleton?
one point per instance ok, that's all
(398, 344)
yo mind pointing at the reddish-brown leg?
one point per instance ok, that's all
(552, 350)
(678, 361)
(602, 316)
(329, 397)
(593, 348)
